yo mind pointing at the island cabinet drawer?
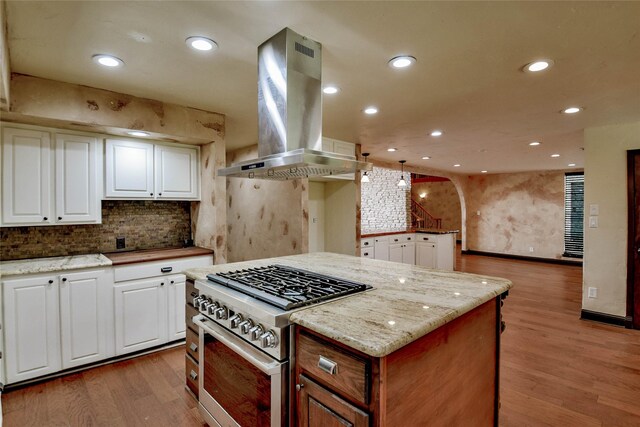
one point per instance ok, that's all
(425, 238)
(367, 243)
(191, 371)
(339, 370)
(402, 238)
(192, 344)
(144, 270)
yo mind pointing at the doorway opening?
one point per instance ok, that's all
(633, 249)
(435, 203)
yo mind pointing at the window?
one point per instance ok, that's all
(574, 214)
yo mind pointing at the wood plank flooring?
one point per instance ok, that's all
(557, 370)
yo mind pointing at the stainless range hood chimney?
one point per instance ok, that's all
(290, 115)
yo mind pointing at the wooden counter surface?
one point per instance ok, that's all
(121, 258)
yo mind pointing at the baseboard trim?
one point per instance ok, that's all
(524, 258)
(606, 318)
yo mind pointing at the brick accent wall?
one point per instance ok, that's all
(384, 205)
(143, 224)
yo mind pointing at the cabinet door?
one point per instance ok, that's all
(26, 177)
(176, 290)
(395, 252)
(409, 253)
(31, 327)
(319, 407)
(381, 249)
(141, 315)
(176, 172)
(84, 317)
(426, 254)
(78, 179)
(129, 170)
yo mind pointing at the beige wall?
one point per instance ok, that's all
(265, 218)
(605, 258)
(517, 211)
(442, 201)
(317, 219)
(340, 214)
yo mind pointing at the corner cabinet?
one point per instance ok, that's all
(146, 170)
(50, 178)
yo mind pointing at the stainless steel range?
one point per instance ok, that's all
(245, 339)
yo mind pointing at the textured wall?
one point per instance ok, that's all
(605, 184)
(517, 211)
(144, 224)
(384, 205)
(442, 201)
(265, 218)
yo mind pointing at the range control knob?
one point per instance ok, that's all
(196, 301)
(235, 320)
(204, 303)
(211, 309)
(222, 313)
(268, 339)
(245, 326)
(255, 332)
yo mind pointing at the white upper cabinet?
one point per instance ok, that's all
(49, 184)
(129, 170)
(144, 170)
(26, 177)
(78, 172)
(176, 172)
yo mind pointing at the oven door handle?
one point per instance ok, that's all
(265, 363)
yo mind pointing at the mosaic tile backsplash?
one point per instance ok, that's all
(143, 224)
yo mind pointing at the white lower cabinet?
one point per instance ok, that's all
(381, 248)
(403, 252)
(54, 322)
(426, 254)
(432, 250)
(149, 312)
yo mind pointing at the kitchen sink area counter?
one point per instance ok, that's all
(46, 265)
(406, 302)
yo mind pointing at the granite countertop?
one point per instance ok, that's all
(45, 265)
(407, 301)
(386, 232)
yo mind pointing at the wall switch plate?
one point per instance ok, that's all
(530, 248)
(478, 213)
(120, 243)
(593, 222)
(594, 209)
(592, 293)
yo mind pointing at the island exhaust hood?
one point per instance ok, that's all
(290, 115)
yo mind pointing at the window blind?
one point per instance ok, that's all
(574, 214)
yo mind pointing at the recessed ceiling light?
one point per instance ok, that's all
(201, 43)
(138, 133)
(331, 90)
(391, 150)
(572, 110)
(436, 133)
(402, 61)
(456, 165)
(571, 165)
(426, 158)
(107, 60)
(370, 110)
(555, 155)
(534, 143)
(534, 67)
(483, 171)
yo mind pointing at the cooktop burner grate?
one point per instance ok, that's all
(286, 287)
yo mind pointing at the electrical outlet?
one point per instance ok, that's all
(120, 243)
(592, 293)
(530, 248)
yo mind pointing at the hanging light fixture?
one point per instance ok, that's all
(365, 177)
(402, 183)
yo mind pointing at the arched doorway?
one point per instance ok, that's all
(439, 197)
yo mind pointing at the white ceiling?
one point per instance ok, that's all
(467, 80)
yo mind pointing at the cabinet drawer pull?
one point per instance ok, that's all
(327, 365)
(193, 375)
(366, 243)
(166, 269)
(395, 240)
(425, 238)
(366, 254)
(193, 347)
(408, 238)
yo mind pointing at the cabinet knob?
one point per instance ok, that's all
(59, 218)
(161, 283)
(366, 254)
(45, 218)
(299, 387)
(64, 279)
(50, 281)
(172, 282)
(193, 375)
(151, 194)
(159, 194)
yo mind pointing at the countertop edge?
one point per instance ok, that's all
(48, 265)
(407, 231)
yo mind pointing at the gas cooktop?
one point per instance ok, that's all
(286, 287)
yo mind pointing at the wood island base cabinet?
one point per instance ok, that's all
(449, 377)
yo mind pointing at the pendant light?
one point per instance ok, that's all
(402, 183)
(365, 177)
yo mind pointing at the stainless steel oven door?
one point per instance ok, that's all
(239, 385)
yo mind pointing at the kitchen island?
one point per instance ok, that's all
(421, 347)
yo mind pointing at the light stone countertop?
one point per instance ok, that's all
(45, 265)
(407, 301)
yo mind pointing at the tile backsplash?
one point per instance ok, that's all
(143, 224)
